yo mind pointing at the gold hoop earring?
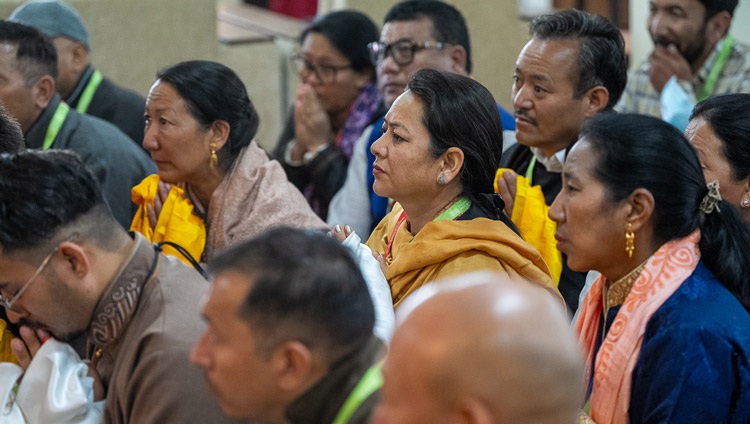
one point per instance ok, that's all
(629, 240)
(214, 160)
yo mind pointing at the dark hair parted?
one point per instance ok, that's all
(305, 286)
(349, 32)
(35, 54)
(448, 24)
(715, 6)
(729, 119)
(601, 52)
(43, 193)
(213, 92)
(11, 136)
(637, 151)
(460, 112)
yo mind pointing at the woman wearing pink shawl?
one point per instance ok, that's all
(665, 328)
(215, 186)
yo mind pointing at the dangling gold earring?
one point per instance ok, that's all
(214, 159)
(629, 240)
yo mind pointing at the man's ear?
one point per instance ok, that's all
(43, 90)
(717, 27)
(293, 365)
(77, 261)
(80, 59)
(596, 101)
(459, 58)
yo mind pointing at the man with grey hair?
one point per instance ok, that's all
(503, 353)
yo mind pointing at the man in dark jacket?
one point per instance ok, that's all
(28, 67)
(81, 85)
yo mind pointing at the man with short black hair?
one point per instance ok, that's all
(28, 67)
(80, 84)
(694, 57)
(69, 269)
(289, 336)
(572, 68)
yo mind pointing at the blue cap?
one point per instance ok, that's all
(54, 18)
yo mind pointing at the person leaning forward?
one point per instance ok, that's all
(69, 269)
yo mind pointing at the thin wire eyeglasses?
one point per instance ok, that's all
(325, 73)
(402, 51)
(8, 304)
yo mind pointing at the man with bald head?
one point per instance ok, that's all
(502, 353)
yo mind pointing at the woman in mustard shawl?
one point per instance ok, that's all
(441, 143)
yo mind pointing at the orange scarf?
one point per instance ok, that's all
(662, 275)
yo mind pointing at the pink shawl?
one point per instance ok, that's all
(662, 275)
(254, 195)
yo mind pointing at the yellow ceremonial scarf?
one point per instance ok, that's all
(530, 216)
(176, 223)
(6, 355)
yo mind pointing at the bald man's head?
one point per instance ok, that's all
(484, 348)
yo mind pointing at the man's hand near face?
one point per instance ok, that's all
(667, 61)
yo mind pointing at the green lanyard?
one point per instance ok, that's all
(530, 169)
(721, 61)
(368, 384)
(88, 92)
(58, 119)
(457, 209)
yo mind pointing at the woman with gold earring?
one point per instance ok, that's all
(719, 130)
(665, 328)
(215, 186)
(437, 159)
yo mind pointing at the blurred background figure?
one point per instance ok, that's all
(694, 56)
(666, 325)
(719, 130)
(80, 85)
(28, 67)
(441, 143)
(337, 98)
(215, 186)
(502, 353)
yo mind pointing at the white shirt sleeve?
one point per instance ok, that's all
(380, 291)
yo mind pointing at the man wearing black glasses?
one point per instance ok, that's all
(416, 34)
(67, 268)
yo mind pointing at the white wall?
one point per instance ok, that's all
(641, 42)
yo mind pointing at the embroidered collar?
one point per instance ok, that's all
(119, 302)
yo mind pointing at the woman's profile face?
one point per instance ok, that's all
(590, 229)
(177, 143)
(715, 165)
(404, 167)
(338, 85)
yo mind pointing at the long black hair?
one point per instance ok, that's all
(636, 151)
